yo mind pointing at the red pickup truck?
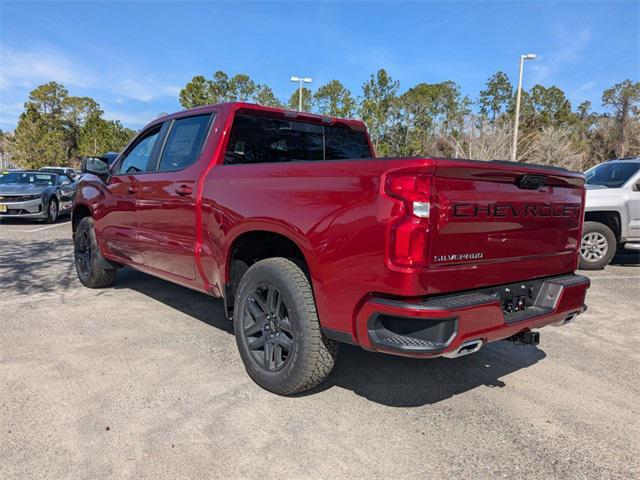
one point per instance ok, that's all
(311, 241)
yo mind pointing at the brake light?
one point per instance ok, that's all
(409, 232)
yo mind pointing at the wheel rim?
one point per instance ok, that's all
(594, 246)
(268, 332)
(83, 253)
(53, 209)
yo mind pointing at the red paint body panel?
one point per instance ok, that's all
(338, 214)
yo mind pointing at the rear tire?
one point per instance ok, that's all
(277, 329)
(90, 264)
(597, 246)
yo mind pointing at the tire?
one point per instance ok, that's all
(90, 264)
(53, 210)
(299, 356)
(597, 246)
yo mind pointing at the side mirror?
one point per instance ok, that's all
(637, 186)
(95, 165)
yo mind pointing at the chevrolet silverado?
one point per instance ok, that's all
(311, 241)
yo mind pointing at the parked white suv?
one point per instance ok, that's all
(612, 214)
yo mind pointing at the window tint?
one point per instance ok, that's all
(344, 143)
(64, 180)
(264, 139)
(612, 175)
(138, 159)
(184, 142)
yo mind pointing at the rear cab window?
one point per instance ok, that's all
(262, 138)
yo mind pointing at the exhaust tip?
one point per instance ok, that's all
(466, 348)
(569, 318)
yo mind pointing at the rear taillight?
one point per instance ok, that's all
(409, 231)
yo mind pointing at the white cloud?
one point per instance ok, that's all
(585, 88)
(145, 89)
(132, 119)
(569, 49)
(27, 68)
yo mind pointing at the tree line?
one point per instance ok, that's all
(436, 119)
(427, 119)
(56, 128)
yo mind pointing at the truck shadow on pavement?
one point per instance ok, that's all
(384, 379)
(626, 258)
(408, 382)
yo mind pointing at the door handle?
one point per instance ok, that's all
(184, 190)
(132, 189)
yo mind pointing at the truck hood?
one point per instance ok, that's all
(22, 189)
(602, 196)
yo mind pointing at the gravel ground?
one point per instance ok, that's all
(143, 380)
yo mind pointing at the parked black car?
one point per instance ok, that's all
(35, 195)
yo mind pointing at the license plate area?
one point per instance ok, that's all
(516, 298)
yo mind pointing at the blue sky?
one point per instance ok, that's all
(133, 57)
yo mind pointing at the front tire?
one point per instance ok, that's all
(90, 265)
(277, 329)
(597, 246)
(53, 210)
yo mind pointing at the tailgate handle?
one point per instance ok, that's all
(532, 182)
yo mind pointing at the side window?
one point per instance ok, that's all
(138, 158)
(64, 180)
(184, 142)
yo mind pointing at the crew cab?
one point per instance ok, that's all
(612, 212)
(312, 241)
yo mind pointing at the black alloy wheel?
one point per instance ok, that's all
(92, 268)
(268, 333)
(277, 328)
(83, 253)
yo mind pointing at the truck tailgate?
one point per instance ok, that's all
(489, 212)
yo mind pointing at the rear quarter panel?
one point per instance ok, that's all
(332, 210)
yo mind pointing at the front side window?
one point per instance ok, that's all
(64, 180)
(265, 139)
(612, 175)
(184, 142)
(139, 157)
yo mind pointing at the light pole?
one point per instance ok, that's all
(514, 147)
(300, 81)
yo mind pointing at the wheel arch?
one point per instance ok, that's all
(78, 213)
(251, 246)
(610, 218)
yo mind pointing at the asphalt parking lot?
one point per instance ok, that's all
(143, 380)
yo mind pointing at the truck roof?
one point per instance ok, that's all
(234, 106)
(630, 159)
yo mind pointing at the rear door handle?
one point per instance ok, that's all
(184, 190)
(132, 189)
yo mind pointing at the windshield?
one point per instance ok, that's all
(611, 175)
(29, 178)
